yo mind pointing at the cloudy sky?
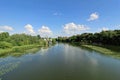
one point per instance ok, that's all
(58, 17)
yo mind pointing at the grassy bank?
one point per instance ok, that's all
(105, 50)
(17, 49)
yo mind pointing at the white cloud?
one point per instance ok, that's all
(6, 28)
(72, 28)
(29, 29)
(93, 16)
(45, 31)
(1, 31)
(102, 29)
(105, 29)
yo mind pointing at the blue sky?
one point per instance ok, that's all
(59, 17)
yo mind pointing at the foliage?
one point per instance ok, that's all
(20, 42)
(4, 45)
(23, 39)
(103, 38)
(17, 49)
(6, 41)
(4, 36)
(53, 41)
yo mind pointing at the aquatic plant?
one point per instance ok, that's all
(5, 68)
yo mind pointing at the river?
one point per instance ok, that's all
(60, 62)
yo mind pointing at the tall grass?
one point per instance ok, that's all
(16, 49)
(18, 54)
(104, 50)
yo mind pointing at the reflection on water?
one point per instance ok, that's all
(72, 52)
(83, 57)
(115, 55)
(8, 64)
(60, 62)
(43, 51)
(8, 67)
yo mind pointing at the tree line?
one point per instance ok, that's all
(7, 40)
(110, 37)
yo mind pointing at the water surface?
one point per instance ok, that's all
(60, 62)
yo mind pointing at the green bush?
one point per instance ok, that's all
(53, 41)
(4, 45)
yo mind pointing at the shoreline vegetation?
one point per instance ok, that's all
(103, 50)
(18, 49)
(10, 44)
(105, 42)
(110, 50)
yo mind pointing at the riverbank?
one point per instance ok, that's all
(18, 49)
(104, 49)
(108, 50)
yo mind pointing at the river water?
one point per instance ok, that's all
(60, 62)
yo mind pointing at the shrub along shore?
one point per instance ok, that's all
(101, 49)
(17, 49)
(21, 42)
(110, 50)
